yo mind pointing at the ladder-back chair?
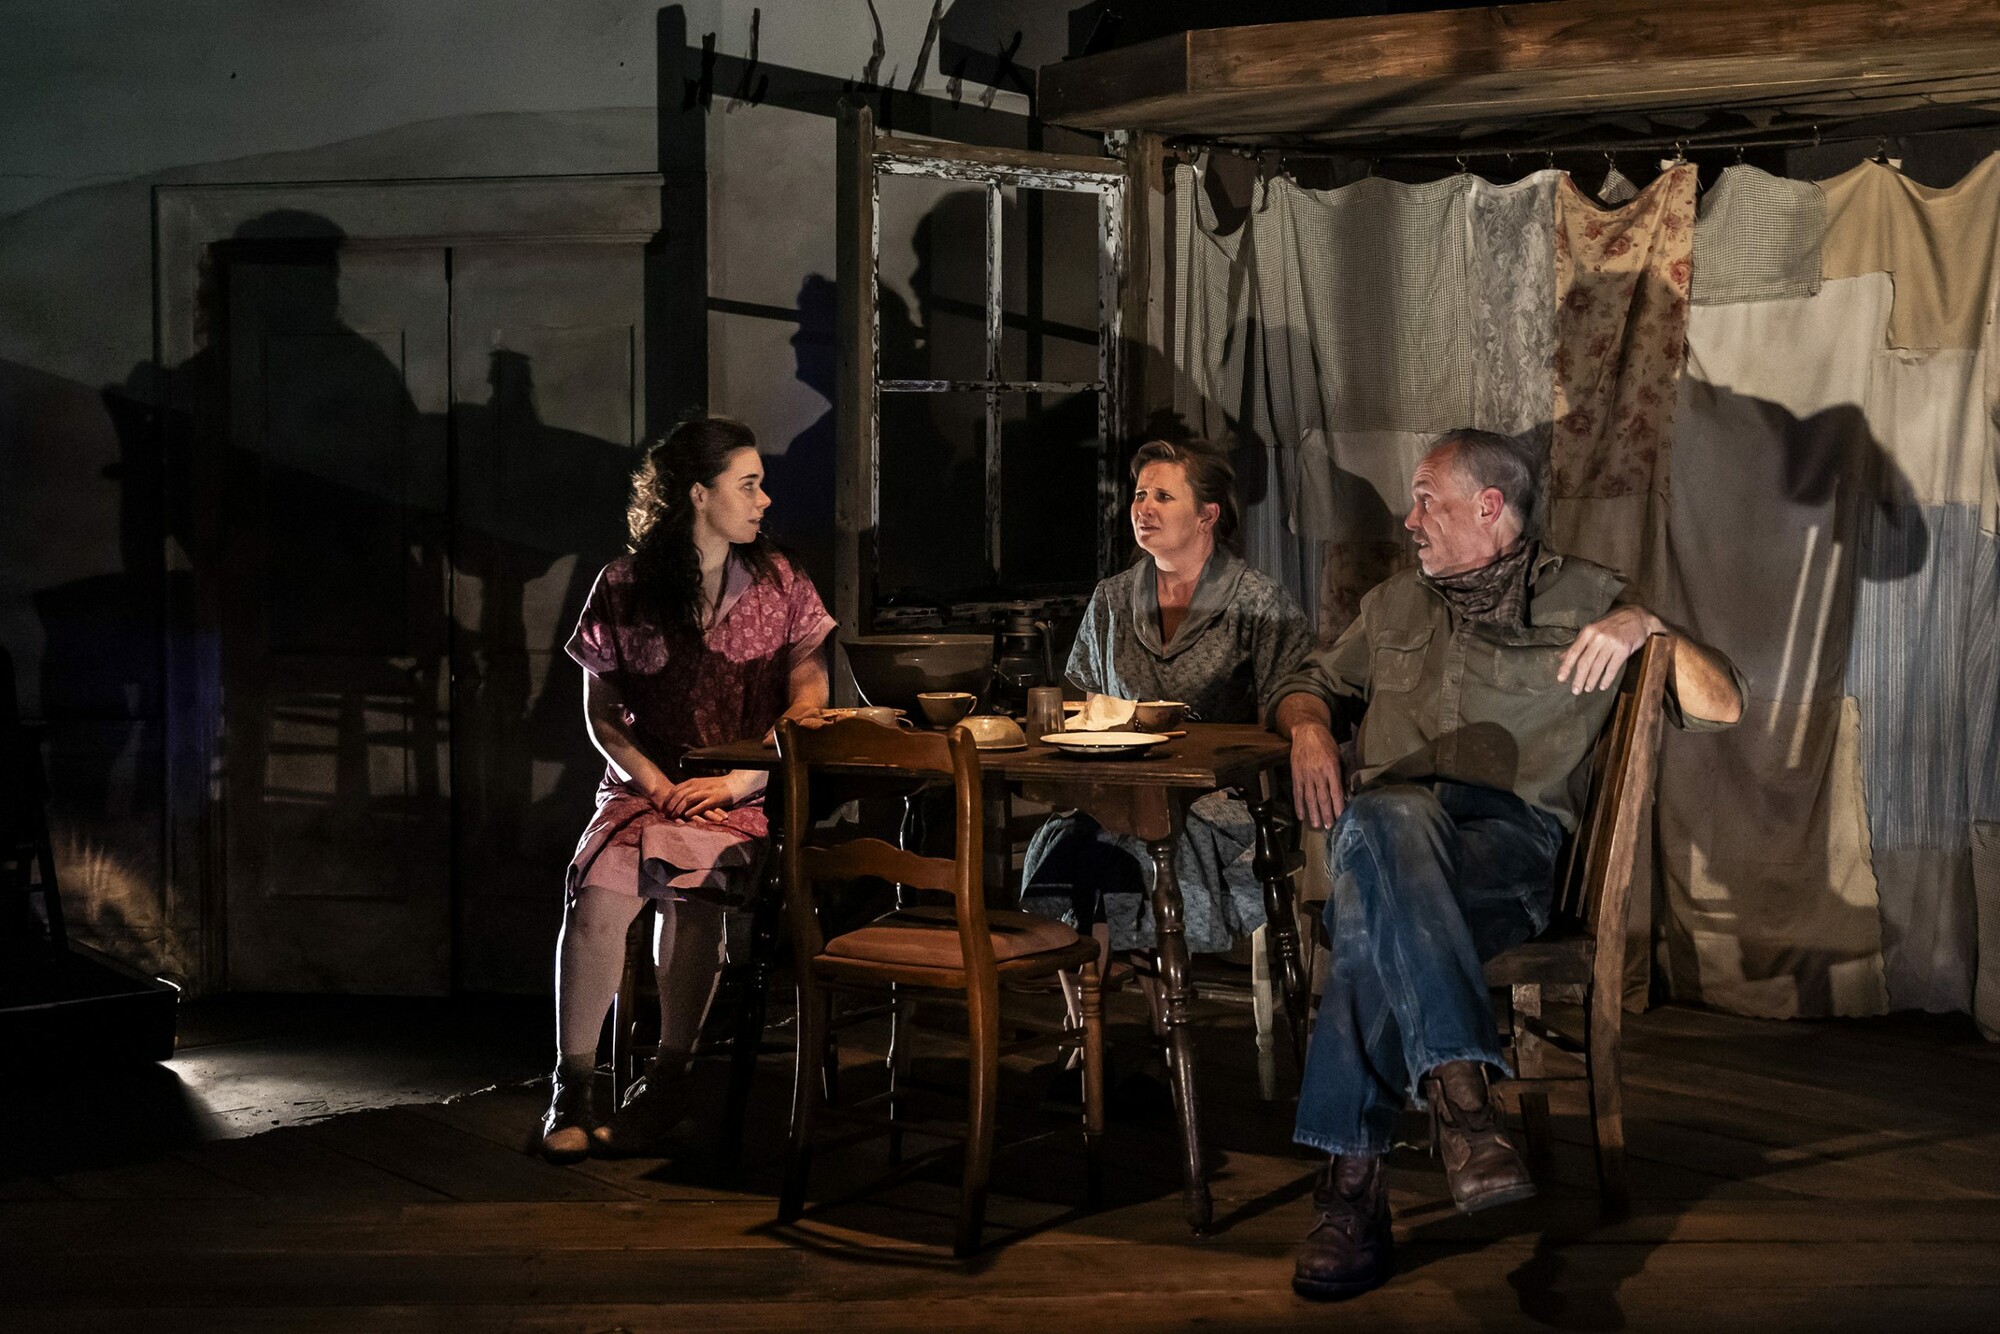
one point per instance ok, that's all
(958, 948)
(1584, 945)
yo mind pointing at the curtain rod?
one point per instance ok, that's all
(1679, 143)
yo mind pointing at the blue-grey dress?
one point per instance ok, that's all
(1242, 634)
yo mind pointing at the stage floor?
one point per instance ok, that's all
(1822, 1176)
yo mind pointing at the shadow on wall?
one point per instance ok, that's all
(1777, 520)
(377, 594)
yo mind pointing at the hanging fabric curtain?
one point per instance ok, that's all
(1757, 237)
(1621, 324)
(1924, 665)
(1818, 496)
(1770, 904)
(1224, 387)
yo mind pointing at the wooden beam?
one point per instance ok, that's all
(1042, 171)
(1403, 73)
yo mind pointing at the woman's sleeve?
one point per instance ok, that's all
(595, 643)
(1086, 656)
(806, 622)
(1279, 642)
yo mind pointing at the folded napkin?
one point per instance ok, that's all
(1101, 713)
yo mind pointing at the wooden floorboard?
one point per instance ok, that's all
(1785, 1177)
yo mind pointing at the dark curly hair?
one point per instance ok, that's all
(660, 517)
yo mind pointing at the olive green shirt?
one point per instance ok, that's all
(1453, 699)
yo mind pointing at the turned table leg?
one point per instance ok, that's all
(1171, 940)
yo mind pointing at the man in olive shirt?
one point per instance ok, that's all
(1486, 678)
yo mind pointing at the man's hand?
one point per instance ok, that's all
(1596, 657)
(1319, 790)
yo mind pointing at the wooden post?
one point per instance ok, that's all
(856, 419)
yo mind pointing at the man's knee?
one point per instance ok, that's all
(1391, 810)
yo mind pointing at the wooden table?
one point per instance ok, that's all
(1147, 798)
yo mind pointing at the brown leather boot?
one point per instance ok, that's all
(1482, 1166)
(1350, 1248)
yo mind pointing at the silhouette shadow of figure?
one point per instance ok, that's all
(330, 543)
(801, 479)
(540, 510)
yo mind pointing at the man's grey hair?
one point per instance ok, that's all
(1513, 467)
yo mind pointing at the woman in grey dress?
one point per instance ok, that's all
(1187, 621)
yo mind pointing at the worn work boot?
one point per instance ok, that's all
(1350, 1248)
(1482, 1166)
(567, 1125)
(643, 1126)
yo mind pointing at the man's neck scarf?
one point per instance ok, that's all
(1494, 594)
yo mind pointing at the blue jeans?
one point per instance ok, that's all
(1429, 881)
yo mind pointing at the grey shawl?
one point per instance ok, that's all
(1242, 635)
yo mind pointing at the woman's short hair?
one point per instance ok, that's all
(1210, 476)
(1510, 466)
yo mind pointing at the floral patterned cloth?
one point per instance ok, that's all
(684, 689)
(1621, 326)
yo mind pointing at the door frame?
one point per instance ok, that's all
(189, 222)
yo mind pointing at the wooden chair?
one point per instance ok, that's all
(1276, 966)
(1584, 945)
(959, 949)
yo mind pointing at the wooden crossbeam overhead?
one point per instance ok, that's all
(1462, 72)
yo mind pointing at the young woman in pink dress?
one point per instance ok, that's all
(703, 634)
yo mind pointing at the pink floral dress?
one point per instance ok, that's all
(684, 689)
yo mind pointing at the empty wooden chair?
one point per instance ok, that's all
(1584, 945)
(954, 947)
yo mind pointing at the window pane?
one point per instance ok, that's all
(1048, 488)
(1049, 279)
(931, 284)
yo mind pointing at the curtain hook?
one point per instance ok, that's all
(1881, 149)
(1459, 158)
(1739, 155)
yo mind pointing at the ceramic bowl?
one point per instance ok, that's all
(990, 731)
(1158, 715)
(944, 707)
(895, 669)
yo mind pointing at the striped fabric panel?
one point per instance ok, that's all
(1924, 664)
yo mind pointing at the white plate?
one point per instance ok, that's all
(1104, 745)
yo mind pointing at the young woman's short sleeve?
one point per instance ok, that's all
(595, 643)
(806, 622)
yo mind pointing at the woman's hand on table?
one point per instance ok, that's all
(805, 715)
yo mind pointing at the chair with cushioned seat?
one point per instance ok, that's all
(956, 948)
